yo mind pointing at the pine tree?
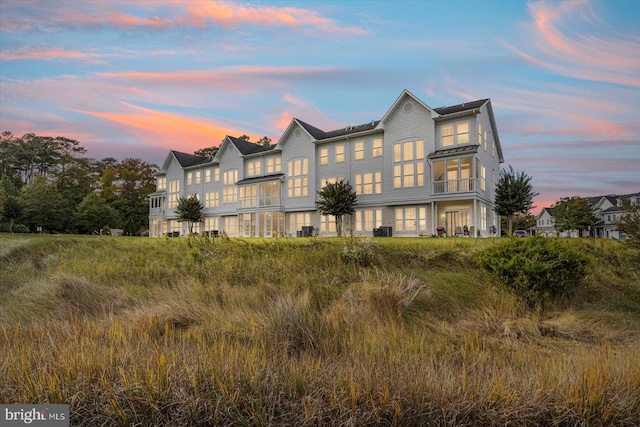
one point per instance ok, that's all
(514, 195)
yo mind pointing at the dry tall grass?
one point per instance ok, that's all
(284, 332)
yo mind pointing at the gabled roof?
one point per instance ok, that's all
(313, 131)
(351, 130)
(185, 160)
(547, 210)
(246, 147)
(397, 103)
(473, 105)
(472, 148)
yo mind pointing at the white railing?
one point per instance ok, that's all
(259, 202)
(454, 186)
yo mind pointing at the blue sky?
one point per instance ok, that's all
(138, 78)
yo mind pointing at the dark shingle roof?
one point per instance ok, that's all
(460, 149)
(319, 134)
(260, 178)
(313, 131)
(443, 111)
(246, 147)
(187, 160)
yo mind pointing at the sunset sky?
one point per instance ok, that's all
(137, 78)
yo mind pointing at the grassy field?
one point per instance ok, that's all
(136, 331)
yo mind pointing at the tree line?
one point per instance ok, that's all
(48, 184)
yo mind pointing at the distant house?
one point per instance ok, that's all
(607, 209)
(545, 224)
(416, 171)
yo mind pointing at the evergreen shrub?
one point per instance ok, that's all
(536, 268)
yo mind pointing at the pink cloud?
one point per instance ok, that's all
(163, 15)
(171, 131)
(554, 44)
(47, 54)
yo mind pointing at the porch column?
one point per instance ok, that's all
(433, 219)
(475, 219)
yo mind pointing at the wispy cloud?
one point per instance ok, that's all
(167, 130)
(50, 54)
(557, 43)
(169, 15)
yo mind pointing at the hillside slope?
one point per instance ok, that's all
(311, 332)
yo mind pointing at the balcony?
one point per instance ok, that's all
(464, 185)
(259, 202)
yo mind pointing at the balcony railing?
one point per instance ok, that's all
(454, 186)
(259, 202)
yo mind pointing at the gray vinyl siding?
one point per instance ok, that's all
(298, 147)
(229, 159)
(401, 127)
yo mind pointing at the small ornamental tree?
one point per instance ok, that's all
(190, 210)
(629, 222)
(573, 213)
(514, 195)
(337, 199)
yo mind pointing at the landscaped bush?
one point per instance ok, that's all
(19, 228)
(536, 268)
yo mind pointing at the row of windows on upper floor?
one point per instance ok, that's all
(455, 134)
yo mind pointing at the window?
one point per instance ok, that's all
(297, 221)
(298, 181)
(419, 149)
(484, 140)
(483, 177)
(397, 176)
(197, 176)
(174, 192)
(324, 156)
(161, 182)
(377, 147)
(411, 219)
(207, 175)
(254, 168)
(407, 172)
(230, 190)
(365, 183)
(368, 219)
(411, 172)
(325, 181)
(273, 165)
(231, 225)
(339, 153)
(327, 224)
(190, 178)
(463, 133)
(212, 199)
(216, 174)
(483, 218)
(211, 224)
(407, 151)
(447, 136)
(359, 150)
(480, 133)
(248, 196)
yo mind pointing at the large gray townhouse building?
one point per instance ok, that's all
(419, 170)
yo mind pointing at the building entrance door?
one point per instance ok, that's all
(456, 222)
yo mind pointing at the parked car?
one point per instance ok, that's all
(520, 233)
